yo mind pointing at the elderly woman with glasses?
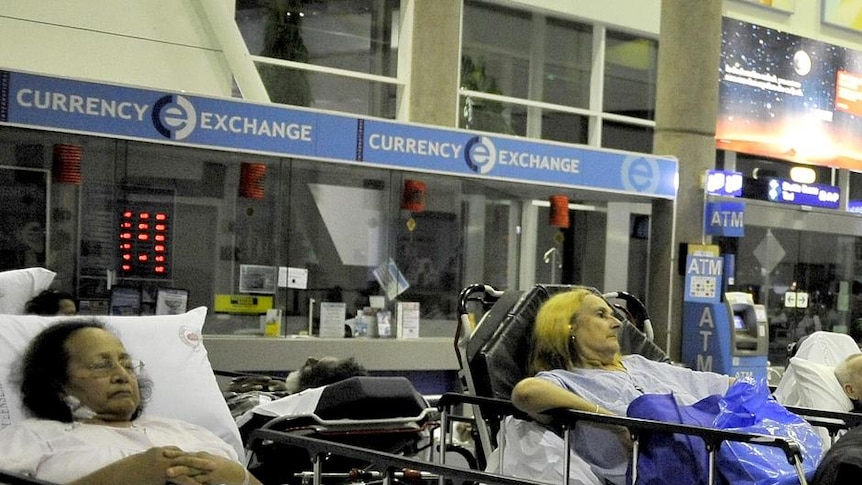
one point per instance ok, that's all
(84, 392)
(577, 364)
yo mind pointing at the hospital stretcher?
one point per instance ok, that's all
(384, 414)
(492, 357)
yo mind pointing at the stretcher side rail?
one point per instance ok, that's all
(491, 408)
(832, 421)
(10, 478)
(568, 418)
(388, 464)
(713, 438)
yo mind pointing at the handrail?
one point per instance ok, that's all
(495, 405)
(833, 421)
(567, 418)
(711, 436)
(10, 478)
(389, 464)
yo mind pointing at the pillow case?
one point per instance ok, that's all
(171, 346)
(812, 385)
(828, 348)
(18, 286)
(809, 384)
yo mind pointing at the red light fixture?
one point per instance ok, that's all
(67, 164)
(559, 214)
(413, 196)
(252, 178)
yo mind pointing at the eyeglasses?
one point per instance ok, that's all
(104, 368)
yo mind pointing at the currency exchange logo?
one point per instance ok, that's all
(480, 154)
(174, 117)
(640, 174)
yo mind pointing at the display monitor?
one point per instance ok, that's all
(745, 327)
(789, 97)
(748, 329)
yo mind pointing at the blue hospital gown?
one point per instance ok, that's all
(615, 390)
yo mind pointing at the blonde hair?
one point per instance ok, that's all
(552, 344)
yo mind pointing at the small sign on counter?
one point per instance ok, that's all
(242, 304)
(407, 319)
(332, 317)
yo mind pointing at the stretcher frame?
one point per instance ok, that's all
(387, 466)
(567, 419)
(407, 434)
(488, 410)
(10, 478)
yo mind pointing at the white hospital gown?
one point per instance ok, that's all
(615, 390)
(63, 452)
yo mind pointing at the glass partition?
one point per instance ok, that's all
(802, 271)
(225, 229)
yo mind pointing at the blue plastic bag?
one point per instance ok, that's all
(748, 406)
(672, 459)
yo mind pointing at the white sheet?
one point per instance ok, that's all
(300, 404)
(534, 452)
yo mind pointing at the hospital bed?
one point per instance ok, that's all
(377, 413)
(492, 354)
(383, 416)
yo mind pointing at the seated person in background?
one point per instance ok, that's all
(577, 364)
(849, 375)
(84, 394)
(52, 302)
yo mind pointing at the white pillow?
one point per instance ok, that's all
(811, 385)
(18, 286)
(829, 348)
(171, 346)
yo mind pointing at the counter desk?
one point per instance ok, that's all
(429, 362)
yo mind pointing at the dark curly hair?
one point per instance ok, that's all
(48, 302)
(44, 372)
(328, 370)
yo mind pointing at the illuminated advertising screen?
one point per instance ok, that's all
(789, 97)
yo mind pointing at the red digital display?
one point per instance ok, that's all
(144, 244)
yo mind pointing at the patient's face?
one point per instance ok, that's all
(98, 375)
(595, 328)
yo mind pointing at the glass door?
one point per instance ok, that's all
(805, 268)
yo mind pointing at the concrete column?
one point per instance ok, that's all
(435, 62)
(686, 110)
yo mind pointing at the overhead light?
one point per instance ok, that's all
(803, 175)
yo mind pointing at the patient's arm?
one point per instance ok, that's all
(534, 396)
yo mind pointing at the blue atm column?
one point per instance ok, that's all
(729, 335)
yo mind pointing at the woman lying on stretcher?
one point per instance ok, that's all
(577, 364)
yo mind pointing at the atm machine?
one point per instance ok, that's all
(729, 336)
